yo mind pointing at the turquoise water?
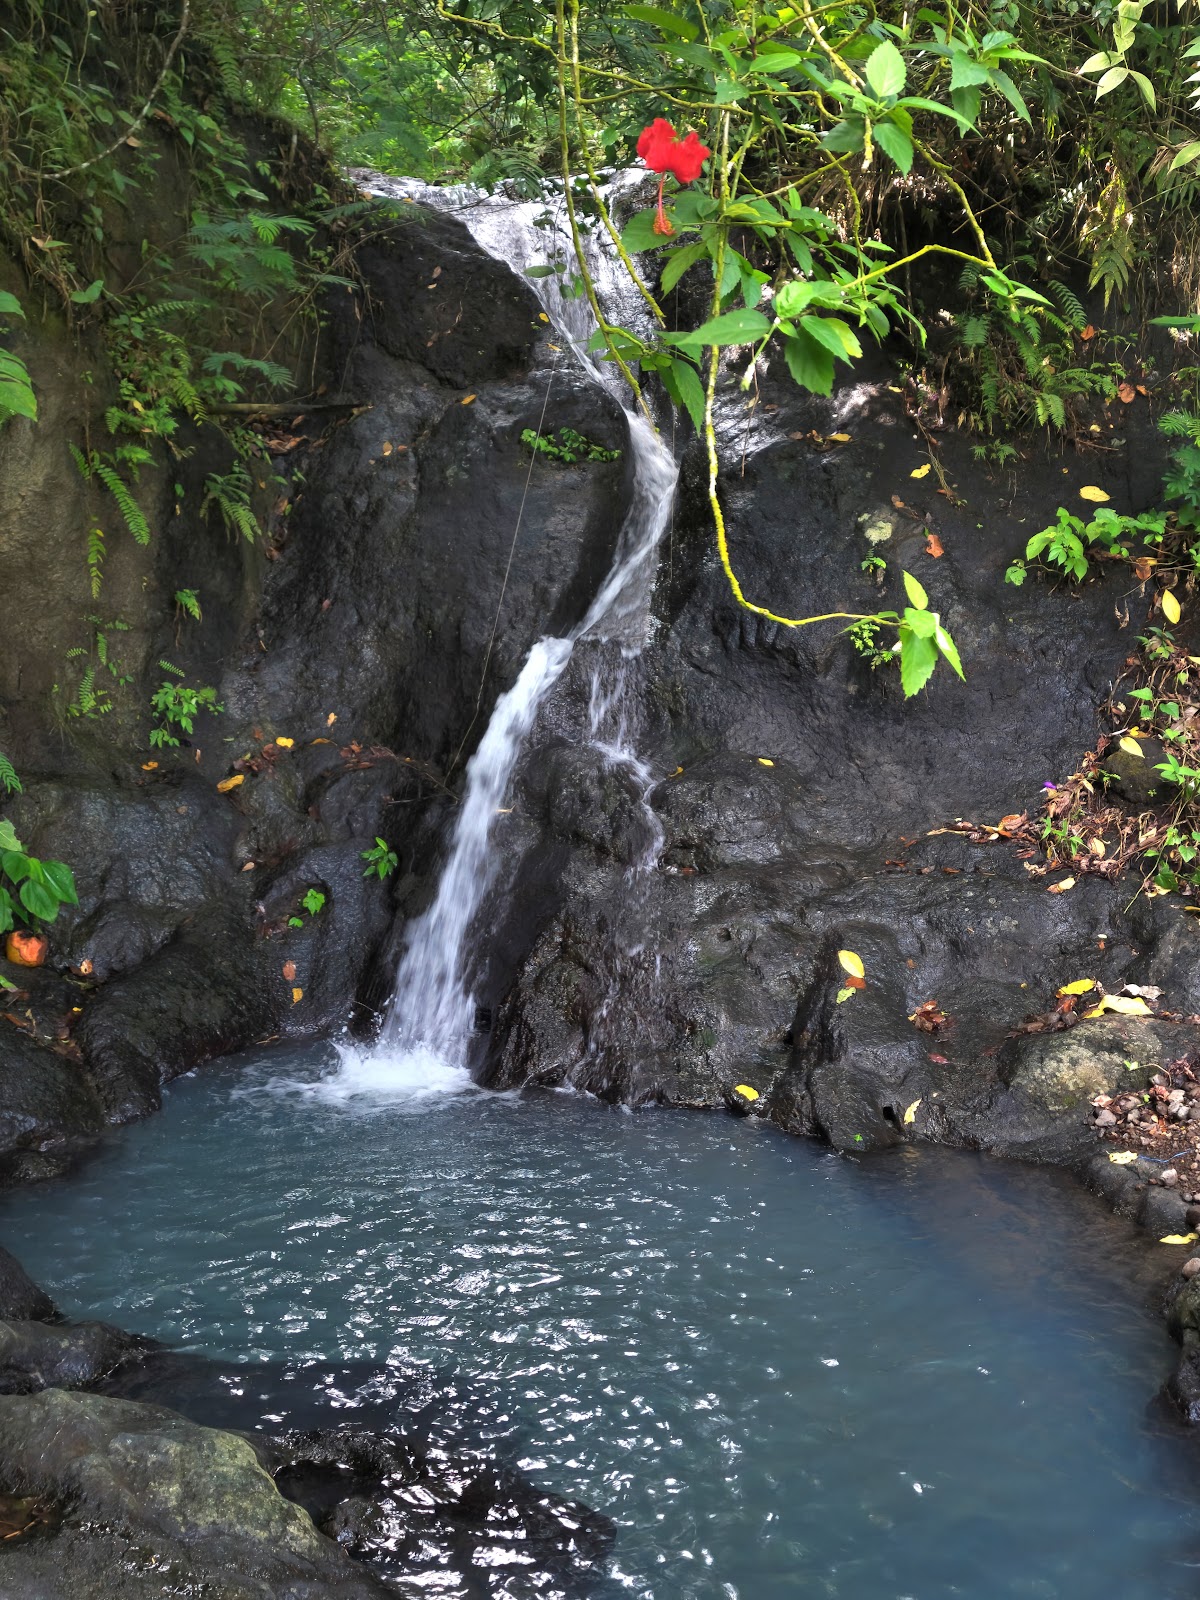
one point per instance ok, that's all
(782, 1373)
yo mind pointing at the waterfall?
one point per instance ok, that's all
(424, 1043)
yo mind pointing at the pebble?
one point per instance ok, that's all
(1105, 1119)
(1189, 1269)
(1170, 1178)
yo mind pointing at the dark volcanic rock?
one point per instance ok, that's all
(150, 1499)
(20, 1297)
(34, 1355)
(419, 1513)
(49, 1109)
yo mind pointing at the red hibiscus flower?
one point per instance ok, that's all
(661, 148)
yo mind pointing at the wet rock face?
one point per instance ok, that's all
(148, 1495)
(414, 1514)
(19, 1296)
(798, 796)
(422, 552)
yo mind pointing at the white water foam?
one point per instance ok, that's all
(423, 1046)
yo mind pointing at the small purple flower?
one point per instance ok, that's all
(1053, 787)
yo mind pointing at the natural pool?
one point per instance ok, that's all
(782, 1373)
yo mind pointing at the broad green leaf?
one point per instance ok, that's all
(923, 623)
(1100, 62)
(967, 103)
(918, 657)
(665, 21)
(732, 327)
(15, 865)
(1112, 79)
(60, 880)
(688, 390)
(894, 142)
(8, 837)
(10, 306)
(1184, 157)
(638, 233)
(6, 910)
(885, 70)
(17, 398)
(38, 900)
(949, 650)
(809, 363)
(678, 263)
(835, 335)
(1146, 87)
(847, 135)
(964, 72)
(1012, 94)
(915, 592)
(88, 296)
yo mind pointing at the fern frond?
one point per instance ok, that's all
(95, 558)
(1070, 304)
(135, 519)
(169, 666)
(9, 781)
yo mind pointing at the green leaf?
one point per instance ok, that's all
(949, 649)
(38, 900)
(8, 838)
(638, 233)
(1012, 94)
(964, 72)
(923, 623)
(809, 363)
(664, 21)
(60, 880)
(918, 657)
(6, 910)
(1112, 79)
(733, 327)
(678, 262)
(915, 592)
(88, 296)
(1147, 88)
(1184, 157)
(835, 335)
(896, 144)
(683, 385)
(15, 865)
(885, 70)
(10, 306)
(17, 398)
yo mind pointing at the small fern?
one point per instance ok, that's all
(1070, 304)
(9, 781)
(95, 558)
(168, 666)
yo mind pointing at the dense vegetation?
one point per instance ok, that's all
(1035, 150)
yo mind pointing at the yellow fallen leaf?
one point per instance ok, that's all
(230, 783)
(745, 1091)
(149, 766)
(1061, 887)
(1130, 747)
(838, 438)
(387, 450)
(1126, 1005)
(1179, 1238)
(851, 963)
(285, 744)
(297, 994)
(1122, 1158)
(542, 317)
(1080, 986)
(467, 399)
(911, 1114)
(1170, 606)
(1097, 847)
(843, 995)
(331, 719)
(1090, 492)
(763, 761)
(249, 866)
(921, 472)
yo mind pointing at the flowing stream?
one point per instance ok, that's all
(425, 1038)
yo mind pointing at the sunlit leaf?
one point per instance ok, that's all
(1091, 492)
(1131, 747)
(1080, 986)
(911, 1114)
(851, 963)
(922, 472)
(1170, 606)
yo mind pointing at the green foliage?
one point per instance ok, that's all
(381, 860)
(187, 602)
(17, 398)
(312, 901)
(178, 706)
(30, 889)
(230, 493)
(98, 669)
(9, 781)
(1065, 542)
(567, 446)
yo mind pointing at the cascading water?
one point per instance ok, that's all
(424, 1042)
